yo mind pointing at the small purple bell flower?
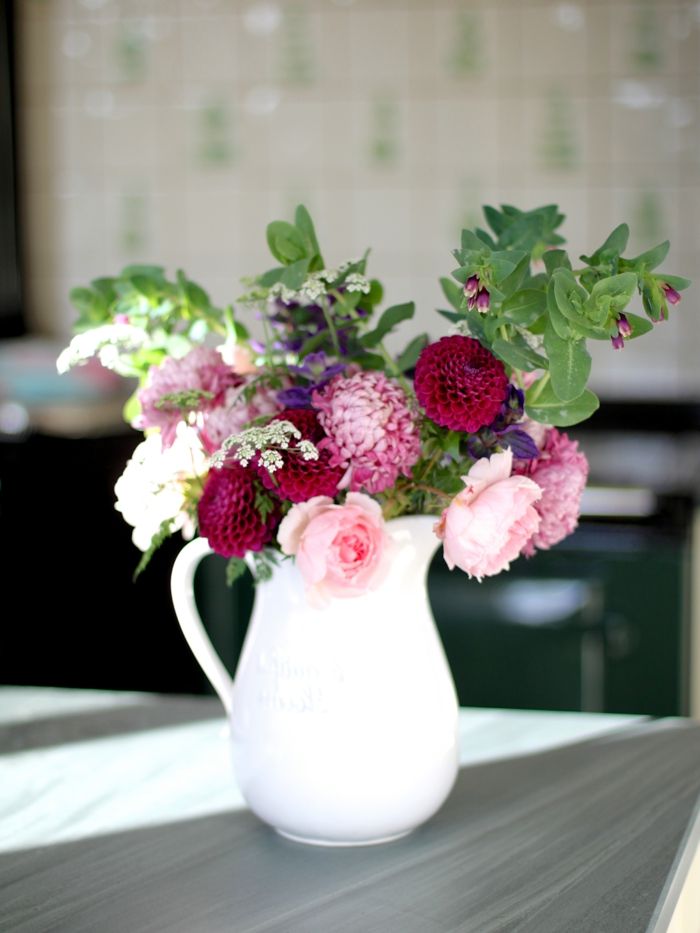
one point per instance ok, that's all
(624, 328)
(483, 301)
(471, 287)
(672, 296)
(618, 342)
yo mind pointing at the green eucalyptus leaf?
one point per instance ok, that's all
(524, 307)
(294, 275)
(494, 219)
(464, 273)
(272, 276)
(303, 223)
(521, 357)
(452, 292)
(548, 408)
(285, 241)
(492, 322)
(569, 364)
(513, 280)
(618, 288)
(559, 322)
(675, 281)
(615, 243)
(500, 268)
(652, 258)
(485, 238)
(409, 357)
(475, 321)
(554, 259)
(470, 241)
(387, 322)
(569, 295)
(451, 316)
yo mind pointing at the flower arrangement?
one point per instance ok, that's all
(304, 444)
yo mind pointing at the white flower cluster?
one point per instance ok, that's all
(105, 342)
(269, 440)
(316, 285)
(152, 488)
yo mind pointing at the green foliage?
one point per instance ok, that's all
(235, 569)
(389, 320)
(545, 406)
(164, 532)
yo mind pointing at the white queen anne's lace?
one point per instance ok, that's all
(106, 342)
(269, 440)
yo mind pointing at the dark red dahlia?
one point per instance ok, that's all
(299, 479)
(227, 514)
(460, 384)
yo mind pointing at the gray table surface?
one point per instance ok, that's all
(595, 837)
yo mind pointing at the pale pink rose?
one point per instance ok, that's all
(537, 431)
(341, 550)
(486, 525)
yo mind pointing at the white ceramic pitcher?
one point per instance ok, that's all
(344, 721)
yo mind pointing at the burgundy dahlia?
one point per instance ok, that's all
(227, 514)
(460, 384)
(299, 479)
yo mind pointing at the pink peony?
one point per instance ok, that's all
(372, 432)
(486, 525)
(341, 550)
(200, 369)
(234, 413)
(560, 471)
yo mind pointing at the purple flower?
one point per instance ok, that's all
(672, 296)
(505, 431)
(471, 287)
(316, 370)
(618, 342)
(483, 301)
(624, 328)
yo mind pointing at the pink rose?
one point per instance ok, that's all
(341, 550)
(487, 524)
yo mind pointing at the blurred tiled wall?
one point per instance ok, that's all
(172, 131)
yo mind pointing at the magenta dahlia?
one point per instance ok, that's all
(200, 369)
(228, 517)
(460, 384)
(299, 479)
(373, 433)
(560, 471)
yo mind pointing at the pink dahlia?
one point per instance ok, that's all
(460, 384)
(228, 517)
(200, 369)
(234, 413)
(299, 479)
(560, 471)
(372, 432)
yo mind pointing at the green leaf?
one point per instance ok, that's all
(639, 325)
(494, 219)
(272, 276)
(464, 272)
(285, 242)
(451, 316)
(500, 268)
(410, 355)
(387, 322)
(512, 281)
(303, 223)
(235, 568)
(521, 357)
(472, 241)
(559, 322)
(163, 533)
(294, 275)
(485, 238)
(105, 289)
(452, 292)
(524, 307)
(569, 364)
(555, 259)
(619, 288)
(152, 272)
(376, 293)
(475, 321)
(146, 287)
(492, 322)
(616, 243)
(549, 409)
(89, 305)
(675, 281)
(132, 407)
(652, 258)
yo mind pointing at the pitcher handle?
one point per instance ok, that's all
(182, 589)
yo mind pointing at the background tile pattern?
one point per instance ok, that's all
(172, 131)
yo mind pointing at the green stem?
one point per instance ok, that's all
(538, 391)
(331, 326)
(431, 463)
(504, 332)
(391, 364)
